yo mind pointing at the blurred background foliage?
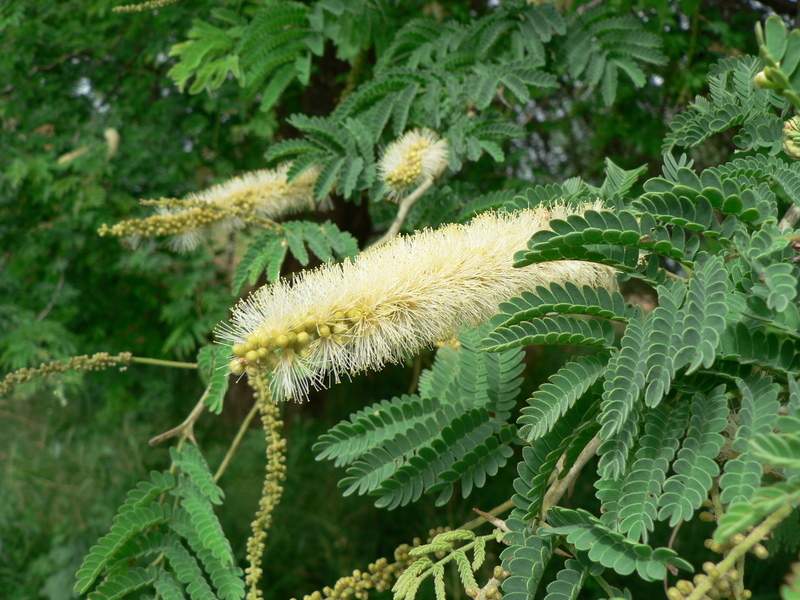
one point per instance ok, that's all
(90, 122)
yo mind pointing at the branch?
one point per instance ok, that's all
(791, 216)
(185, 429)
(162, 363)
(405, 205)
(560, 486)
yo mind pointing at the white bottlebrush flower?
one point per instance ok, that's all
(264, 193)
(224, 207)
(391, 300)
(415, 157)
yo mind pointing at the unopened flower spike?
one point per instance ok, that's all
(392, 300)
(258, 196)
(417, 156)
(791, 137)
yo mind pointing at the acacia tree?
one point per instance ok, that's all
(406, 117)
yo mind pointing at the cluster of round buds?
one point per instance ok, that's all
(272, 490)
(758, 549)
(379, 577)
(418, 156)
(95, 362)
(709, 516)
(267, 348)
(184, 223)
(391, 301)
(721, 584)
(491, 591)
(791, 137)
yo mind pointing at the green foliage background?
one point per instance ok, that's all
(71, 71)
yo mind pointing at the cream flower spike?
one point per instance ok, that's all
(230, 205)
(417, 156)
(391, 300)
(264, 193)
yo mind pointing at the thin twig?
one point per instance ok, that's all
(674, 534)
(52, 303)
(553, 495)
(236, 441)
(163, 363)
(470, 525)
(791, 217)
(497, 522)
(560, 486)
(185, 429)
(405, 205)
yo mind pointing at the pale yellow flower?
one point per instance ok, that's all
(412, 159)
(791, 137)
(264, 193)
(391, 301)
(225, 207)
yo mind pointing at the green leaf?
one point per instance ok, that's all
(120, 585)
(526, 558)
(212, 364)
(195, 467)
(559, 394)
(560, 330)
(640, 489)
(568, 583)
(758, 415)
(566, 299)
(126, 526)
(695, 466)
(767, 500)
(610, 548)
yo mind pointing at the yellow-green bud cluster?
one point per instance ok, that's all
(143, 6)
(379, 576)
(263, 349)
(95, 362)
(409, 171)
(170, 223)
(255, 197)
(791, 138)
(414, 158)
(273, 484)
(721, 585)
